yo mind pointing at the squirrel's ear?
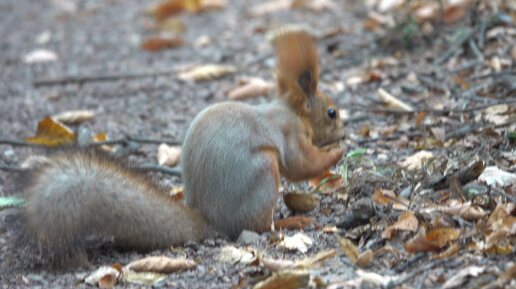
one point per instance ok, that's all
(297, 65)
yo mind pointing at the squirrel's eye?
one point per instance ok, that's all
(332, 113)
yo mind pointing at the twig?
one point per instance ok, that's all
(12, 169)
(504, 194)
(390, 138)
(161, 169)
(455, 47)
(472, 128)
(102, 77)
(108, 142)
(434, 111)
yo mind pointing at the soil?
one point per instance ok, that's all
(103, 37)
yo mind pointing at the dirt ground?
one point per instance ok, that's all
(92, 38)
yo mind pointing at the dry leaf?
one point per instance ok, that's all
(420, 117)
(168, 155)
(416, 161)
(434, 240)
(157, 43)
(52, 133)
(174, 25)
(301, 202)
(161, 264)
(448, 253)
(74, 116)
(206, 72)
(40, 55)
(349, 249)
(250, 88)
(143, 278)
(393, 102)
(300, 242)
(293, 223)
(291, 279)
(364, 258)
(169, 8)
(493, 176)
(234, 255)
(278, 265)
(454, 13)
(386, 197)
(459, 278)
(406, 222)
(327, 181)
(270, 7)
(106, 276)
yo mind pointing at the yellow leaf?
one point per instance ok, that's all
(52, 133)
(161, 264)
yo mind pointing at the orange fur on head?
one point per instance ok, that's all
(297, 66)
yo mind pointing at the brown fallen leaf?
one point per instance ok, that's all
(351, 251)
(301, 202)
(161, 264)
(250, 88)
(73, 117)
(206, 72)
(431, 241)
(169, 8)
(406, 222)
(157, 43)
(290, 279)
(386, 197)
(278, 264)
(326, 181)
(293, 223)
(52, 133)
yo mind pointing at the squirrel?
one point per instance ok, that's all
(233, 157)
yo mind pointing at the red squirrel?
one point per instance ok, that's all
(233, 157)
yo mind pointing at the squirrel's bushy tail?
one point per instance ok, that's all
(79, 195)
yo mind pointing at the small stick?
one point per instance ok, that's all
(165, 170)
(108, 142)
(435, 111)
(504, 194)
(102, 77)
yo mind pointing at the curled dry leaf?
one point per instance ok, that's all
(250, 88)
(301, 202)
(300, 242)
(103, 277)
(168, 8)
(206, 72)
(158, 43)
(364, 258)
(393, 102)
(432, 241)
(406, 222)
(168, 155)
(290, 279)
(416, 161)
(161, 264)
(234, 255)
(52, 133)
(327, 181)
(74, 116)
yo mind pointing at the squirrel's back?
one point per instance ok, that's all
(83, 194)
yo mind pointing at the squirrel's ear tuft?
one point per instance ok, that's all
(297, 65)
